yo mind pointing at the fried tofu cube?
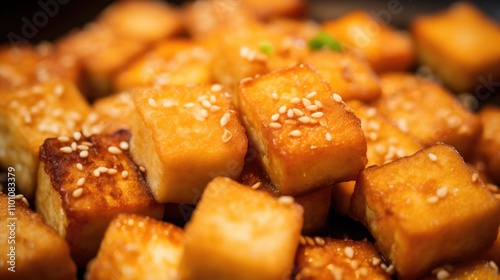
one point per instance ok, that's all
(489, 142)
(30, 115)
(316, 204)
(476, 269)
(426, 210)
(427, 112)
(384, 143)
(143, 21)
(265, 10)
(172, 62)
(142, 240)
(30, 249)
(185, 136)
(457, 45)
(328, 258)
(493, 253)
(385, 48)
(81, 190)
(252, 237)
(294, 118)
(348, 75)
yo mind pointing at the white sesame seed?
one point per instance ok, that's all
(275, 125)
(214, 108)
(309, 241)
(286, 199)
(311, 94)
(246, 80)
(402, 125)
(348, 109)
(375, 261)
(441, 192)
(306, 102)
(77, 193)
(373, 136)
(102, 169)
(493, 265)
(319, 241)
(354, 264)
(63, 139)
(18, 196)
(216, 88)
(201, 98)
(58, 89)
(74, 146)
(304, 119)
(275, 117)
(297, 112)
(66, 150)
(312, 108)
(206, 104)
(337, 98)
(84, 154)
(318, 103)
(370, 112)
(336, 272)
(363, 271)
(82, 147)
(317, 115)
(152, 102)
(79, 166)
(390, 269)
(226, 136)
(124, 145)
(295, 100)
(433, 157)
(124, 174)
(189, 105)
(204, 113)
(255, 186)
(474, 177)
(349, 252)
(97, 173)
(112, 171)
(295, 133)
(282, 109)
(225, 119)
(114, 150)
(27, 119)
(442, 274)
(433, 199)
(322, 122)
(87, 144)
(289, 114)
(23, 199)
(80, 182)
(168, 103)
(77, 136)
(275, 96)
(328, 137)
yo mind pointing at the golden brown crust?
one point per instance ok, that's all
(489, 143)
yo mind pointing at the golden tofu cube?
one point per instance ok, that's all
(316, 204)
(148, 249)
(252, 237)
(426, 210)
(384, 143)
(489, 142)
(30, 249)
(476, 269)
(265, 10)
(328, 258)
(427, 112)
(385, 48)
(30, 115)
(348, 75)
(294, 118)
(172, 62)
(81, 190)
(185, 136)
(143, 21)
(457, 45)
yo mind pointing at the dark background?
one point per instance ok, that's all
(75, 13)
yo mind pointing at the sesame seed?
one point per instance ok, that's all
(493, 265)
(77, 136)
(474, 177)
(317, 115)
(337, 98)
(390, 269)
(302, 240)
(97, 173)
(311, 94)
(142, 168)
(201, 98)
(256, 186)
(319, 241)
(328, 137)
(204, 113)
(114, 150)
(27, 119)
(246, 80)
(226, 136)
(372, 136)
(275, 96)
(442, 274)
(79, 166)
(63, 139)
(297, 112)
(376, 261)
(102, 169)
(304, 119)
(189, 105)
(335, 271)
(306, 102)
(124, 145)
(370, 112)
(349, 252)
(401, 124)
(82, 147)
(312, 108)
(152, 102)
(124, 174)
(225, 119)
(213, 99)
(295, 133)
(216, 88)
(87, 144)
(289, 114)
(80, 182)
(84, 154)
(66, 150)
(206, 104)
(286, 199)
(433, 199)
(77, 193)
(322, 122)
(363, 271)
(18, 196)
(354, 264)
(214, 108)
(433, 157)
(74, 146)
(275, 117)
(275, 125)
(58, 89)
(295, 100)
(309, 241)
(318, 103)
(282, 109)
(441, 192)
(112, 171)
(168, 103)
(23, 199)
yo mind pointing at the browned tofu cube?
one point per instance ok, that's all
(83, 183)
(489, 143)
(348, 75)
(385, 48)
(476, 269)
(147, 249)
(30, 249)
(252, 237)
(144, 21)
(30, 115)
(305, 135)
(328, 258)
(316, 204)
(172, 62)
(185, 136)
(427, 112)
(457, 45)
(384, 143)
(426, 210)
